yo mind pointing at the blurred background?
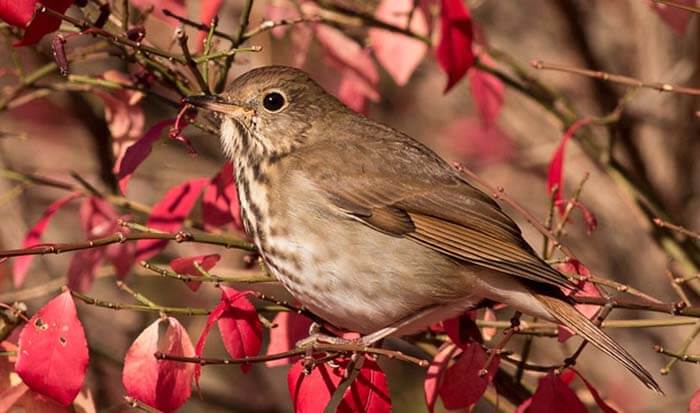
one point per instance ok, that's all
(657, 139)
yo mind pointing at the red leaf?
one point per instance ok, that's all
(436, 373)
(220, 201)
(487, 92)
(694, 404)
(463, 386)
(202, 340)
(186, 266)
(240, 327)
(138, 152)
(454, 52)
(596, 396)
(369, 393)
(676, 18)
(17, 12)
(311, 393)
(290, 328)
(53, 354)
(42, 23)
(163, 384)
(556, 165)
(553, 395)
(462, 329)
(169, 213)
(398, 53)
(33, 237)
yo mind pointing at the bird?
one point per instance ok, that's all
(368, 228)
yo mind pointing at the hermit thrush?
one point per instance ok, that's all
(368, 228)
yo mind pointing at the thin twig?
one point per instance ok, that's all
(664, 224)
(191, 64)
(625, 80)
(335, 348)
(140, 307)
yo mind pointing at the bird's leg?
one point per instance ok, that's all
(317, 337)
(416, 318)
(507, 335)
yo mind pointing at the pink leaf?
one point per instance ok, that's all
(123, 113)
(398, 53)
(358, 75)
(240, 327)
(209, 9)
(586, 289)
(463, 384)
(138, 152)
(83, 268)
(489, 332)
(98, 219)
(556, 165)
(311, 393)
(163, 384)
(589, 218)
(53, 354)
(17, 13)
(176, 6)
(10, 395)
(436, 373)
(454, 52)
(169, 213)
(676, 18)
(604, 407)
(42, 23)
(694, 404)
(470, 139)
(220, 201)
(33, 237)
(553, 395)
(487, 92)
(276, 11)
(186, 266)
(122, 257)
(290, 328)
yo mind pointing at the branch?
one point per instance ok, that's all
(316, 348)
(664, 224)
(625, 80)
(180, 236)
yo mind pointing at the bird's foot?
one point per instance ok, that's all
(316, 337)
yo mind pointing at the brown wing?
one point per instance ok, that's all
(400, 187)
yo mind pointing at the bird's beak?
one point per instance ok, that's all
(218, 105)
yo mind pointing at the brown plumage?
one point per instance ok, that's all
(369, 228)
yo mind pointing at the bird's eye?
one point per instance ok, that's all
(273, 101)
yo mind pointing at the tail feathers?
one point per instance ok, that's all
(567, 315)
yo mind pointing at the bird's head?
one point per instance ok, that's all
(271, 111)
